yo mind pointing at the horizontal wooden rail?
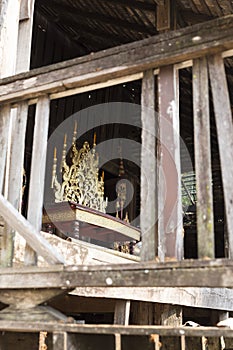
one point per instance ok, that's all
(169, 48)
(184, 274)
(16, 326)
(36, 241)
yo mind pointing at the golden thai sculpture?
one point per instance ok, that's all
(80, 180)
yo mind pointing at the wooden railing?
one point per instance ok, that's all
(203, 46)
(206, 45)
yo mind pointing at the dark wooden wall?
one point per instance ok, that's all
(51, 45)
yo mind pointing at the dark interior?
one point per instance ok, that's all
(66, 29)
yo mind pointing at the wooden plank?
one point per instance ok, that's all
(15, 177)
(169, 171)
(25, 35)
(28, 232)
(148, 211)
(4, 134)
(121, 312)
(102, 85)
(127, 275)
(205, 221)
(113, 329)
(223, 118)
(142, 312)
(37, 177)
(216, 298)
(9, 18)
(124, 60)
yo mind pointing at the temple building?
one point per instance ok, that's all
(116, 149)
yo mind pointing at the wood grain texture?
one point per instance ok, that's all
(216, 298)
(129, 275)
(4, 132)
(15, 176)
(25, 36)
(174, 47)
(223, 118)
(205, 221)
(37, 177)
(114, 329)
(148, 212)
(28, 232)
(9, 19)
(169, 170)
(121, 312)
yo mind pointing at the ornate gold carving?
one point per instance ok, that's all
(121, 189)
(80, 180)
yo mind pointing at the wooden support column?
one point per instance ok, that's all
(15, 176)
(223, 118)
(170, 230)
(148, 215)
(25, 35)
(9, 19)
(205, 222)
(170, 227)
(4, 133)
(37, 178)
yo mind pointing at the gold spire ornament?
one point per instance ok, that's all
(80, 181)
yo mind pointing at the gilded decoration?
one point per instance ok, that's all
(81, 182)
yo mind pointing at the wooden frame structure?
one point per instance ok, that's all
(204, 46)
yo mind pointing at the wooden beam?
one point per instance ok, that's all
(113, 329)
(223, 118)
(205, 221)
(15, 177)
(28, 232)
(208, 298)
(83, 28)
(141, 5)
(148, 211)
(215, 274)
(37, 176)
(77, 12)
(164, 49)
